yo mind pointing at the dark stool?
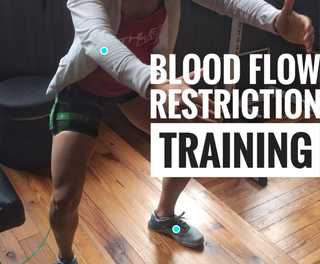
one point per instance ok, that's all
(25, 139)
(11, 207)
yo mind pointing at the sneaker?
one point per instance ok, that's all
(187, 236)
(67, 260)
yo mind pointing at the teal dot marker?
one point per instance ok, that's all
(104, 51)
(176, 229)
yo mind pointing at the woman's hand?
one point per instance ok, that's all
(166, 86)
(294, 27)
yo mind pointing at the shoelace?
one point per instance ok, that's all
(178, 220)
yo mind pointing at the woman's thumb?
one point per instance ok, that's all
(288, 5)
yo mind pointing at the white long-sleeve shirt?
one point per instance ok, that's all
(96, 24)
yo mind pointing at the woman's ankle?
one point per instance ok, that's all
(66, 254)
(163, 213)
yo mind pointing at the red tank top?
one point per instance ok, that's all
(139, 35)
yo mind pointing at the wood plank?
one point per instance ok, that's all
(121, 182)
(245, 185)
(109, 237)
(28, 229)
(303, 242)
(10, 249)
(214, 233)
(306, 249)
(267, 251)
(215, 182)
(286, 211)
(119, 148)
(220, 189)
(285, 199)
(87, 248)
(33, 202)
(44, 254)
(293, 223)
(241, 253)
(205, 180)
(137, 165)
(110, 201)
(313, 258)
(254, 197)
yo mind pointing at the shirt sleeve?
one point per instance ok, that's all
(92, 25)
(257, 13)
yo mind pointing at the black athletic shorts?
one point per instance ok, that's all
(78, 110)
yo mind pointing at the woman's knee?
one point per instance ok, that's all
(70, 156)
(65, 201)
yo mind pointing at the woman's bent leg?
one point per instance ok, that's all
(71, 152)
(137, 111)
(164, 219)
(171, 189)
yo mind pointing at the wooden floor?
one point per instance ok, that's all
(287, 211)
(118, 197)
(241, 221)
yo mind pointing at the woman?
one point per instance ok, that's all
(89, 75)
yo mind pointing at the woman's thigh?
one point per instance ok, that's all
(137, 110)
(71, 152)
(74, 140)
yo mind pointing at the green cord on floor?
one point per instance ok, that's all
(37, 248)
